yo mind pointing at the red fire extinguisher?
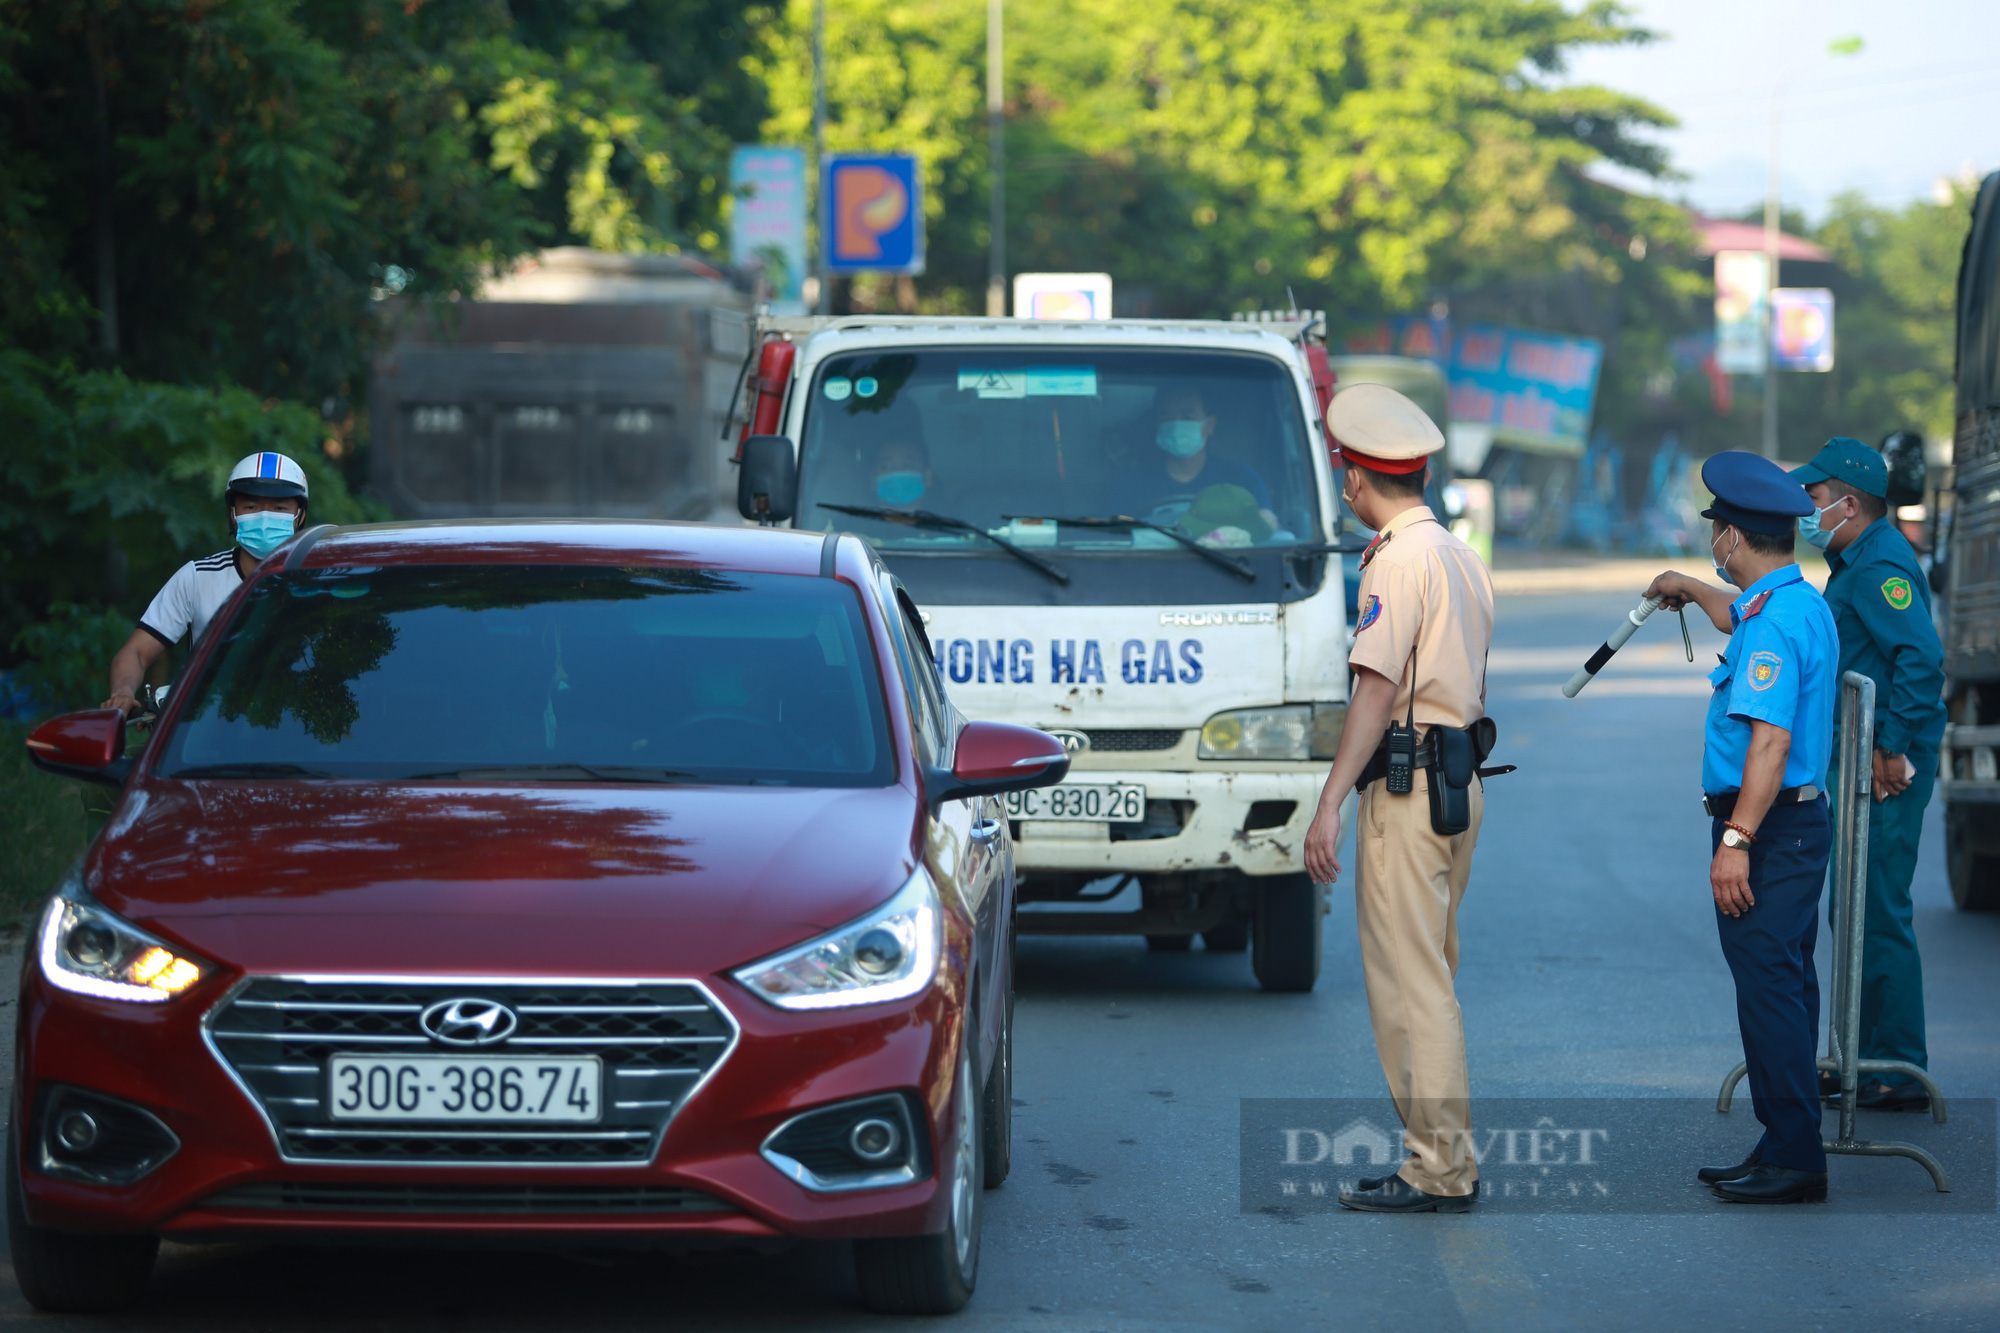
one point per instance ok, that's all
(767, 404)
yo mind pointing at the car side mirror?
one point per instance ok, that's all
(767, 481)
(88, 745)
(996, 757)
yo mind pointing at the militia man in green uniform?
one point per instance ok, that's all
(1882, 607)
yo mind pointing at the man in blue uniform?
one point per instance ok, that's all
(1882, 607)
(1763, 773)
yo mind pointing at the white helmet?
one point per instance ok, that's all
(272, 476)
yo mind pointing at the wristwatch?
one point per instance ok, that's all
(1735, 837)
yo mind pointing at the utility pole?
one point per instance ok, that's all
(996, 156)
(1771, 284)
(823, 287)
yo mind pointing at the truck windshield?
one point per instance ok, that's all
(1209, 443)
(541, 674)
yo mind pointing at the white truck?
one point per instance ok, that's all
(1124, 532)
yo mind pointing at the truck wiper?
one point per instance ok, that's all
(250, 770)
(1327, 548)
(924, 518)
(1240, 568)
(553, 773)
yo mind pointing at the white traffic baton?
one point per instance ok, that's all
(1633, 619)
(1850, 882)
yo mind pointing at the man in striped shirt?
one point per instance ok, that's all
(266, 497)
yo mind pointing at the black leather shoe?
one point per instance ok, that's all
(1715, 1175)
(1772, 1184)
(1396, 1195)
(1377, 1182)
(1879, 1096)
(1829, 1087)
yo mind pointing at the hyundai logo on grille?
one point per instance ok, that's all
(469, 1022)
(1073, 741)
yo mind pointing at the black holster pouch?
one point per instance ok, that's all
(1452, 766)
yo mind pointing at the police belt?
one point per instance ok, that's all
(1723, 804)
(1425, 757)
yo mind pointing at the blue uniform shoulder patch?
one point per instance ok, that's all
(1369, 614)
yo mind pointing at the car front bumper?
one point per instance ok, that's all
(1214, 832)
(706, 1183)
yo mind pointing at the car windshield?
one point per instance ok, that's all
(1211, 444)
(541, 673)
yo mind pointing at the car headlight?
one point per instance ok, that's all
(888, 954)
(88, 950)
(1258, 733)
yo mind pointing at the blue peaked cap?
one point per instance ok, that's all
(1754, 493)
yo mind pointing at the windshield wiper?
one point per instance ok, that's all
(1240, 568)
(553, 773)
(250, 770)
(924, 518)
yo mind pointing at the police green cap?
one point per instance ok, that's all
(1848, 460)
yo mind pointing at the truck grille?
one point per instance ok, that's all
(338, 1197)
(657, 1041)
(1132, 741)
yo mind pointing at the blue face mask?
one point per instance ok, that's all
(264, 532)
(900, 488)
(1182, 439)
(1814, 534)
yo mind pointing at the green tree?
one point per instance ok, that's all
(1211, 153)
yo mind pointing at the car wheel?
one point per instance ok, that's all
(935, 1274)
(1284, 942)
(66, 1273)
(1232, 936)
(1169, 943)
(1972, 857)
(996, 1111)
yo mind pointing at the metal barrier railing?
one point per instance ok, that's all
(1850, 887)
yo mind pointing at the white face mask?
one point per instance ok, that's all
(1721, 570)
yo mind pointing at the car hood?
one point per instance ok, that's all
(359, 877)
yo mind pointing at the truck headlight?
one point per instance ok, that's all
(89, 950)
(888, 954)
(1258, 733)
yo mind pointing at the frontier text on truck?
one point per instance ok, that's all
(1122, 532)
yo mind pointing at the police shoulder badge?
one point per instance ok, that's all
(1764, 668)
(1370, 613)
(1897, 591)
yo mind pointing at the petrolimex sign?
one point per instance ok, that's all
(872, 213)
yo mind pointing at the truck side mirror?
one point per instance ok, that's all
(767, 483)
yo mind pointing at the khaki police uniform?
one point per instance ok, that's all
(1425, 621)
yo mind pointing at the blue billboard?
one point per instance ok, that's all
(768, 225)
(1535, 390)
(872, 213)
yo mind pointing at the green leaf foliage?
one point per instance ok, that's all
(1211, 153)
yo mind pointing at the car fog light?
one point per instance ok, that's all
(77, 1130)
(878, 952)
(874, 1140)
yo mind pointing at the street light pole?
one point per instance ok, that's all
(996, 156)
(1771, 283)
(823, 294)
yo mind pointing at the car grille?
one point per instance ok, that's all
(656, 1041)
(334, 1197)
(1130, 741)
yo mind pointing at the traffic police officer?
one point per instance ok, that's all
(1420, 645)
(1882, 608)
(1764, 770)
(266, 497)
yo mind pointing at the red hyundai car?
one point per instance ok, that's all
(597, 882)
